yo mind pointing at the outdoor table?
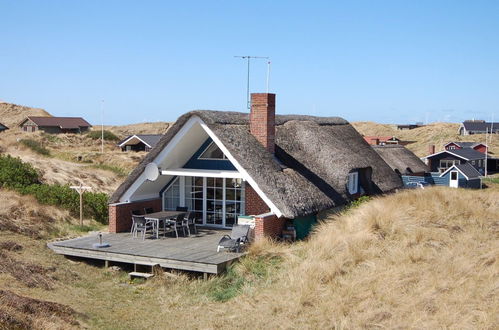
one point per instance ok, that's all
(157, 217)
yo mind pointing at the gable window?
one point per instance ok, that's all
(212, 152)
(447, 163)
(353, 182)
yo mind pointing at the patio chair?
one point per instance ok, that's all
(237, 238)
(182, 222)
(148, 210)
(182, 208)
(170, 226)
(191, 221)
(134, 212)
(140, 224)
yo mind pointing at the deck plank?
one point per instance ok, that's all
(193, 253)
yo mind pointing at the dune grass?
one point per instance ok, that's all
(416, 259)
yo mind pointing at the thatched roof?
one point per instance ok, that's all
(401, 159)
(318, 153)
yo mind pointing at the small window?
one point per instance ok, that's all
(353, 182)
(212, 152)
(453, 175)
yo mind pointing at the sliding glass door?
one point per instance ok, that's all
(216, 201)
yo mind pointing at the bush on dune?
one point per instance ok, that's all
(23, 178)
(108, 135)
(35, 146)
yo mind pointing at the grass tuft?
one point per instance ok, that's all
(35, 146)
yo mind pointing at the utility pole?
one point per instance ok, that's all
(248, 58)
(102, 126)
(80, 190)
(486, 149)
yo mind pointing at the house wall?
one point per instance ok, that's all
(50, 129)
(435, 179)
(253, 203)
(120, 215)
(268, 225)
(481, 148)
(434, 162)
(135, 147)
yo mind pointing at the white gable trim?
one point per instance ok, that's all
(176, 139)
(241, 170)
(453, 167)
(131, 137)
(447, 151)
(162, 155)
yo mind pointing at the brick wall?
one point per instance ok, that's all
(262, 119)
(268, 225)
(120, 215)
(253, 203)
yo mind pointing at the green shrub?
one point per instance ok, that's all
(14, 173)
(22, 177)
(35, 146)
(108, 136)
(94, 204)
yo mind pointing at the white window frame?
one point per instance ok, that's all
(353, 183)
(182, 201)
(207, 158)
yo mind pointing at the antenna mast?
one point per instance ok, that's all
(248, 58)
(102, 126)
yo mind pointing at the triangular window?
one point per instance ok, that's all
(212, 152)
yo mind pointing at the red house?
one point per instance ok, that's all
(469, 145)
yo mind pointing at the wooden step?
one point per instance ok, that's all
(139, 274)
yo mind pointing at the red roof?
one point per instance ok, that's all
(62, 122)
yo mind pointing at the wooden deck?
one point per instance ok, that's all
(196, 253)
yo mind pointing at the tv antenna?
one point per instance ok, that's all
(248, 58)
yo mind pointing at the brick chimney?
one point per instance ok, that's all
(431, 149)
(262, 119)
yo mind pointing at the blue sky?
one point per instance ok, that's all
(384, 61)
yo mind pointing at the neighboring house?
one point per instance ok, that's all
(443, 160)
(3, 127)
(139, 142)
(275, 167)
(409, 127)
(401, 160)
(55, 124)
(383, 140)
(469, 127)
(466, 145)
(462, 176)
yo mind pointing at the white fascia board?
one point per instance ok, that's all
(447, 151)
(204, 173)
(241, 170)
(131, 137)
(162, 155)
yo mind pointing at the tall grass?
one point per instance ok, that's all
(416, 259)
(35, 146)
(108, 135)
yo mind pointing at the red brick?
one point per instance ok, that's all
(120, 215)
(262, 119)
